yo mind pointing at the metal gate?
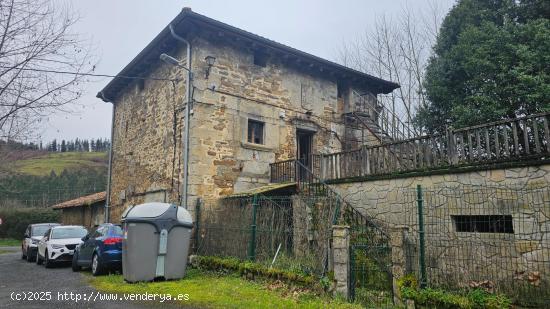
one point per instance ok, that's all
(371, 276)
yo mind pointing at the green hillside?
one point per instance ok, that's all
(43, 165)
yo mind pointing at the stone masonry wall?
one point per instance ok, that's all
(147, 141)
(512, 262)
(146, 161)
(222, 161)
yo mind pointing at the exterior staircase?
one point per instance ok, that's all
(368, 122)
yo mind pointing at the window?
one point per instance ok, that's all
(255, 131)
(116, 230)
(260, 59)
(484, 223)
(39, 230)
(68, 232)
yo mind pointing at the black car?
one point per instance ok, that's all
(101, 250)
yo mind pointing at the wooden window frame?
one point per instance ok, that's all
(255, 132)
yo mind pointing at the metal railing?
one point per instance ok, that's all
(388, 122)
(283, 171)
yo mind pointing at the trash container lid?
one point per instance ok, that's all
(153, 210)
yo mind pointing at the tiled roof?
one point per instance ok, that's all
(82, 201)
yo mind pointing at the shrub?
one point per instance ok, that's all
(250, 269)
(437, 298)
(15, 221)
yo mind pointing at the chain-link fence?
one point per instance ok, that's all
(294, 228)
(493, 238)
(246, 228)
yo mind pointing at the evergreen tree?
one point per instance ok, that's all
(63, 146)
(491, 61)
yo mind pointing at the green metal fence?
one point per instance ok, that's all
(297, 229)
(370, 263)
(491, 238)
(252, 228)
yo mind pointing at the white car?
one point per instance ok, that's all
(59, 243)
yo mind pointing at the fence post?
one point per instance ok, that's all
(420, 200)
(398, 260)
(341, 259)
(252, 244)
(197, 224)
(451, 144)
(322, 166)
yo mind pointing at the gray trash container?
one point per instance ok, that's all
(156, 241)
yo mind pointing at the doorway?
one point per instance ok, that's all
(304, 150)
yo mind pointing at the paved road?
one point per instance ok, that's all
(17, 275)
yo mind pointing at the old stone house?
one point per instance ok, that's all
(254, 102)
(258, 102)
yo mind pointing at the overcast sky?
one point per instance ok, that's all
(121, 29)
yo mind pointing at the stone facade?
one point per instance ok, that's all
(393, 200)
(147, 140)
(517, 257)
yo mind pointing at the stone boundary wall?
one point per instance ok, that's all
(514, 263)
(384, 199)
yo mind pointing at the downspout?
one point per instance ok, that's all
(108, 195)
(185, 140)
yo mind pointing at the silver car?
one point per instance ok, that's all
(33, 235)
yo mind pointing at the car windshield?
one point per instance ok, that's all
(69, 232)
(39, 230)
(116, 230)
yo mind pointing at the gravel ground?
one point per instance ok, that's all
(17, 275)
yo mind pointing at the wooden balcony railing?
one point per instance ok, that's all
(518, 139)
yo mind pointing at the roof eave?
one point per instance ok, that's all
(383, 86)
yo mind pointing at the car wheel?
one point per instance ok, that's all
(30, 258)
(74, 264)
(47, 262)
(97, 266)
(38, 259)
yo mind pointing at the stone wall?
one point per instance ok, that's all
(222, 161)
(147, 140)
(511, 261)
(391, 200)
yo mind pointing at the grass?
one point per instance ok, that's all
(43, 165)
(5, 251)
(9, 242)
(214, 290)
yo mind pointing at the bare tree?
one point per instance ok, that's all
(36, 43)
(397, 49)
